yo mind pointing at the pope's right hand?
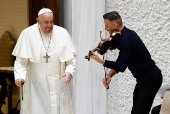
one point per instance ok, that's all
(18, 82)
(106, 81)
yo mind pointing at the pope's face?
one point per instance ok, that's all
(46, 22)
(109, 26)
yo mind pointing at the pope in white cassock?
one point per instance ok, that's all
(45, 61)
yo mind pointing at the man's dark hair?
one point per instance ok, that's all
(113, 16)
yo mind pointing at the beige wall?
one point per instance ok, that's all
(14, 16)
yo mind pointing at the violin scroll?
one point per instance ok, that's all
(88, 56)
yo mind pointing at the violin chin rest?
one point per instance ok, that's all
(102, 52)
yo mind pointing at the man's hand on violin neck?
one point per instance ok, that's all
(96, 58)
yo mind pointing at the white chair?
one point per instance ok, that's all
(165, 108)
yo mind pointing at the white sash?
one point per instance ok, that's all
(46, 68)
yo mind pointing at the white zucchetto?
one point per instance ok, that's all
(44, 10)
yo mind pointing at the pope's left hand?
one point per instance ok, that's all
(68, 77)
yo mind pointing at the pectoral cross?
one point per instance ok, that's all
(46, 56)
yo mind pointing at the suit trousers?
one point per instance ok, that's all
(156, 109)
(144, 95)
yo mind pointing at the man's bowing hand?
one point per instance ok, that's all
(106, 81)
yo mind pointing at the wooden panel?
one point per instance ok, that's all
(36, 5)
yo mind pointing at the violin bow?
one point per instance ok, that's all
(101, 37)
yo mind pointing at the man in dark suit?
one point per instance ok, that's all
(134, 55)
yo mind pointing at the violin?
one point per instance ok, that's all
(105, 44)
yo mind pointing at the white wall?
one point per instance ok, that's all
(87, 24)
(65, 14)
(83, 19)
(151, 20)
